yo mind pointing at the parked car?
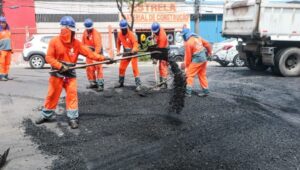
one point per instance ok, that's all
(177, 52)
(225, 53)
(36, 48)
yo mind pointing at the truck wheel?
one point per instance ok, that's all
(255, 63)
(275, 68)
(288, 62)
(178, 58)
(37, 61)
(238, 62)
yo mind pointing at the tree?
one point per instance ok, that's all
(131, 5)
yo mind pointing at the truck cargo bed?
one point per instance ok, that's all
(277, 21)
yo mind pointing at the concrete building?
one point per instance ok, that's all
(43, 16)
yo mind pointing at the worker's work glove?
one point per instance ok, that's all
(182, 66)
(134, 51)
(63, 68)
(209, 58)
(111, 61)
(154, 61)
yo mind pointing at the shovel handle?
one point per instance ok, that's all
(108, 61)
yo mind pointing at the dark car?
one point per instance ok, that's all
(177, 52)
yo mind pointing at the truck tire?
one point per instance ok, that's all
(275, 68)
(238, 62)
(288, 62)
(37, 61)
(179, 58)
(255, 63)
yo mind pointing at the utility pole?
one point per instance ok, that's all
(197, 15)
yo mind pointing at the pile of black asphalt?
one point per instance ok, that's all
(249, 121)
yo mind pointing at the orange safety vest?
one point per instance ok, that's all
(68, 53)
(93, 40)
(195, 45)
(128, 41)
(5, 40)
(161, 39)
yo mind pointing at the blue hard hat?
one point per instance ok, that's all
(2, 19)
(88, 23)
(123, 24)
(68, 21)
(187, 33)
(155, 27)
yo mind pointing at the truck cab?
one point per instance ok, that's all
(270, 33)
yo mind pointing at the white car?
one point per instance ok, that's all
(225, 53)
(36, 48)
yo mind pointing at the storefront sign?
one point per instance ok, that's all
(159, 12)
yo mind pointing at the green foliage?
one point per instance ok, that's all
(137, 2)
(131, 4)
(144, 58)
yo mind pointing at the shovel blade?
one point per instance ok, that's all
(3, 158)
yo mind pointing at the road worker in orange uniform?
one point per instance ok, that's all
(130, 46)
(195, 60)
(92, 38)
(63, 53)
(161, 40)
(5, 49)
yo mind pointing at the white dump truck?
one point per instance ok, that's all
(270, 33)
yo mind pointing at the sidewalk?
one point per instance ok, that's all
(17, 60)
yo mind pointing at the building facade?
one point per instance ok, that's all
(42, 16)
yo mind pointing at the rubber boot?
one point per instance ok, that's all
(120, 83)
(41, 119)
(164, 85)
(188, 91)
(8, 78)
(92, 85)
(204, 93)
(138, 84)
(73, 123)
(100, 83)
(2, 78)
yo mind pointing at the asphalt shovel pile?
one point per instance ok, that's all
(3, 158)
(176, 102)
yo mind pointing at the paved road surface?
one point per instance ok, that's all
(250, 121)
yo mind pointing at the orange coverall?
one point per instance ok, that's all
(195, 65)
(59, 52)
(162, 42)
(129, 42)
(5, 52)
(94, 40)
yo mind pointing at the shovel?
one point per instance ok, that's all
(3, 158)
(144, 91)
(108, 61)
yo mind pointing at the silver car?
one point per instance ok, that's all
(225, 53)
(35, 50)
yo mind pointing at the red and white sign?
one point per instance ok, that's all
(160, 12)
